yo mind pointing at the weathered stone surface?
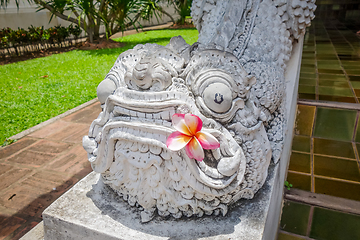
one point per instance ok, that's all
(231, 83)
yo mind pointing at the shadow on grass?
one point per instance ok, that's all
(161, 37)
(128, 45)
(108, 51)
(146, 40)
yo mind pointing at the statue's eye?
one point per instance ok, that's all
(217, 97)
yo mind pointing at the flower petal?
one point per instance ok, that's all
(194, 150)
(177, 141)
(188, 152)
(207, 140)
(179, 124)
(193, 122)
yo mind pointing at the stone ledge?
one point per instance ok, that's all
(37, 233)
(91, 210)
(322, 200)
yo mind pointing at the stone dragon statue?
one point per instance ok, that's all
(232, 79)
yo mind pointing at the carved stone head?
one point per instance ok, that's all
(237, 93)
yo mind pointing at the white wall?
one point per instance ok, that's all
(26, 16)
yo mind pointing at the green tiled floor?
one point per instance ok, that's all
(330, 64)
(335, 123)
(302, 221)
(296, 225)
(326, 145)
(300, 162)
(333, 225)
(325, 156)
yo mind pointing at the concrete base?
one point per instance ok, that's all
(90, 210)
(37, 233)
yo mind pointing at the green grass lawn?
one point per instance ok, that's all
(36, 90)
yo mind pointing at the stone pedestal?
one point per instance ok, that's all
(90, 210)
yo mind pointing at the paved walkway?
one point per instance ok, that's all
(39, 168)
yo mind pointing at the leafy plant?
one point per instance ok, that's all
(182, 7)
(74, 30)
(115, 15)
(35, 35)
(288, 185)
(8, 141)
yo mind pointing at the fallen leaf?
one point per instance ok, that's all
(45, 76)
(12, 196)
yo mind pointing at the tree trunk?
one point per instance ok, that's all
(90, 34)
(96, 32)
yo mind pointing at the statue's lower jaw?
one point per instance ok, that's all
(145, 124)
(142, 145)
(134, 161)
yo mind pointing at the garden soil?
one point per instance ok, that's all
(101, 44)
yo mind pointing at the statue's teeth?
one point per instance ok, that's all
(165, 154)
(128, 144)
(127, 119)
(147, 97)
(144, 133)
(160, 97)
(120, 144)
(140, 114)
(132, 113)
(144, 148)
(156, 115)
(167, 124)
(126, 111)
(155, 150)
(134, 147)
(135, 131)
(165, 115)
